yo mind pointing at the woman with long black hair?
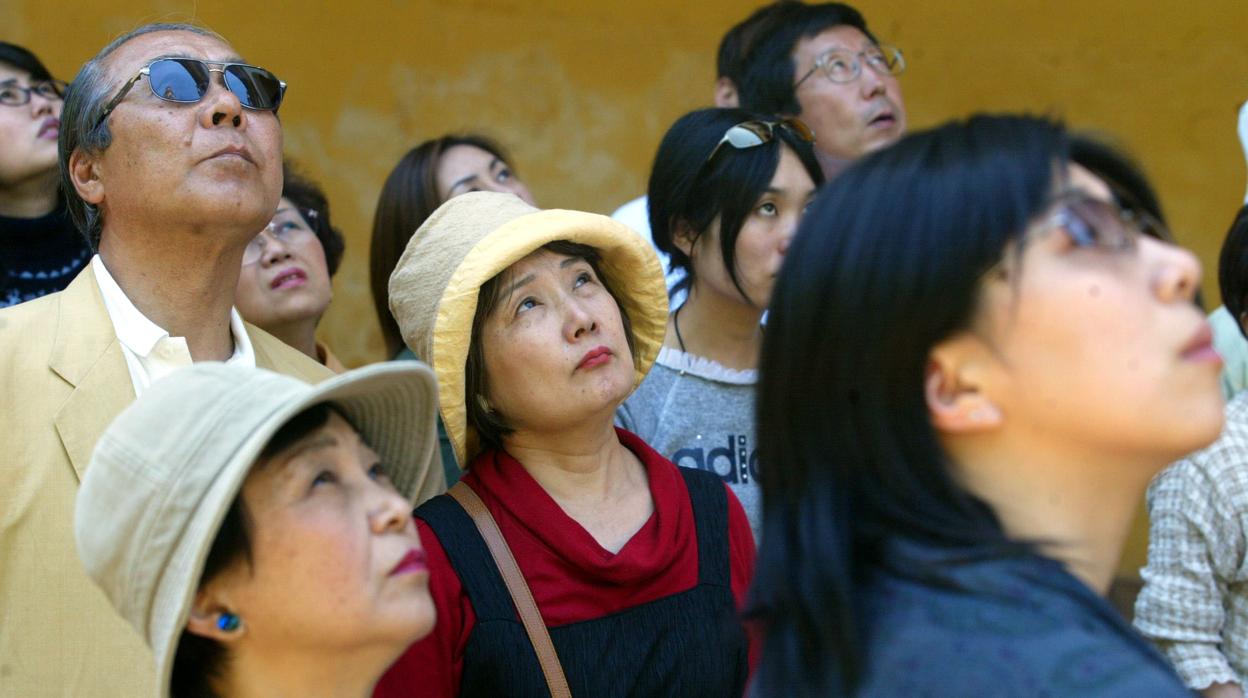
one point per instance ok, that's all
(974, 363)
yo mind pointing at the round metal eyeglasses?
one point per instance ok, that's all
(841, 65)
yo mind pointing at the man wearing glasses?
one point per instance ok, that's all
(817, 62)
(170, 157)
(824, 66)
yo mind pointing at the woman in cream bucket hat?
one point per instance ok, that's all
(628, 572)
(257, 531)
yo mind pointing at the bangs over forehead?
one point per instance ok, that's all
(499, 289)
(490, 425)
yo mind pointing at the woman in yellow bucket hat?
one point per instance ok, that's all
(628, 572)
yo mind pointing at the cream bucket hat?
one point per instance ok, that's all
(473, 237)
(165, 472)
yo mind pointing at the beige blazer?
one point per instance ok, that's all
(62, 379)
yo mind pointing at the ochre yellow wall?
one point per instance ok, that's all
(581, 91)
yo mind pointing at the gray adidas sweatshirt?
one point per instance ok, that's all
(700, 414)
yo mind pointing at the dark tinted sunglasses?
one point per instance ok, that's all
(187, 80)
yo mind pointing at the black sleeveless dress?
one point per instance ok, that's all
(687, 644)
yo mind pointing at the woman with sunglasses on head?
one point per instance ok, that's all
(40, 250)
(726, 193)
(285, 284)
(974, 363)
(627, 572)
(426, 177)
(257, 531)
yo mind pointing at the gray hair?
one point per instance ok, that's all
(84, 103)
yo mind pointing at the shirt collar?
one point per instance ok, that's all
(134, 329)
(139, 334)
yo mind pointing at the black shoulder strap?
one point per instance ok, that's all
(470, 557)
(710, 514)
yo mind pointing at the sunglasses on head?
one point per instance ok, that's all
(187, 80)
(750, 134)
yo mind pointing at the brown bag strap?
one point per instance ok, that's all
(516, 586)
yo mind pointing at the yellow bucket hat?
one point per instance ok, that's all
(473, 237)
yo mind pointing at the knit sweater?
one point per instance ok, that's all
(700, 414)
(39, 256)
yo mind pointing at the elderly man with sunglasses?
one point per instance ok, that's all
(171, 159)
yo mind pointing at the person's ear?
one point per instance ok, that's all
(726, 94)
(683, 237)
(85, 175)
(955, 387)
(212, 619)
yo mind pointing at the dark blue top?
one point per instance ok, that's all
(944, 623)
(686, 645)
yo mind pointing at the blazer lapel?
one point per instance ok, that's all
(274, 355)
(87, 355)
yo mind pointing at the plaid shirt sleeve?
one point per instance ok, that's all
(1195, 555)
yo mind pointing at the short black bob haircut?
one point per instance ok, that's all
(313, 206)
(688, 192)
(1233, 268)
(886, 263)
(767, 72)
(22, 59)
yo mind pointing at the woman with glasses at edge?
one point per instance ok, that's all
(973, 365)
(538, 325)
(285, 284)
(40, 249)
(426, 177)
(726, 192)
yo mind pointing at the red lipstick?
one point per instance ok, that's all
(595, 357)
(413, 562)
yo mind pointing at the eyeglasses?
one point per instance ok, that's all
(289, 230)
(187, 80)
(841, 65)
(750, 134)
(14, 95)
(1094, 224)
(1090, 222)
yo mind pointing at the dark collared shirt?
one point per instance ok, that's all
(951, 624)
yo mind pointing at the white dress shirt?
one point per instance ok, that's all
(151, 353)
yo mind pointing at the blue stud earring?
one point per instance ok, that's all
(228, 622)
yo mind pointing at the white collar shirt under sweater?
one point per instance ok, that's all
(700, 414)
(151, 353)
